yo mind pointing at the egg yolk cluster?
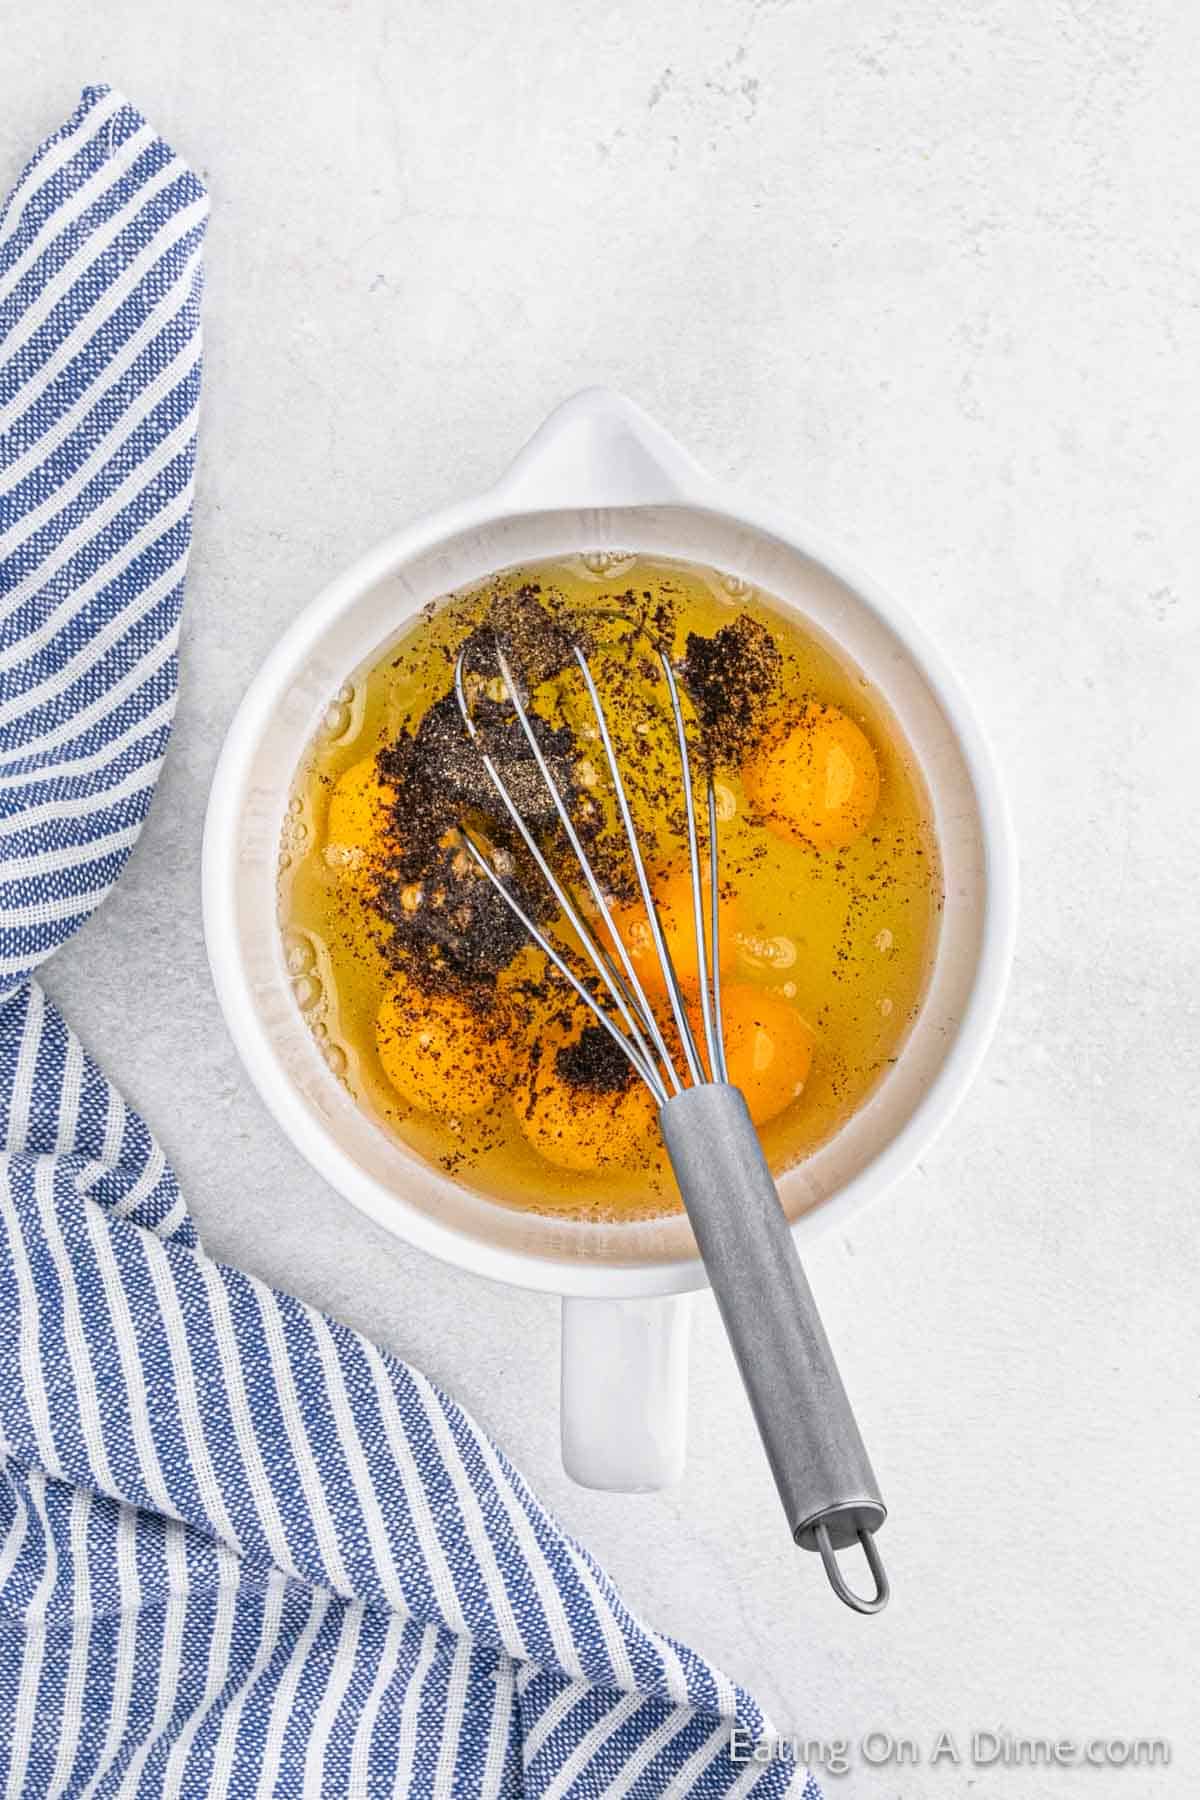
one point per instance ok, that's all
(818, 783)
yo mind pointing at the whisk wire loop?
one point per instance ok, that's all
(646, 1071)
(674, 990)
(637, 1000)
(643, 1041)
(641, 1057)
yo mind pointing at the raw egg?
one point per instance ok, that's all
(358, 806)
(438, 1052)
(579, 1104)
(820, 783)
(673, 898)
(768, 1048)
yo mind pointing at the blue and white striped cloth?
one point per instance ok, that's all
(242, 1551)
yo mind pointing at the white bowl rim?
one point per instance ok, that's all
(690, 487)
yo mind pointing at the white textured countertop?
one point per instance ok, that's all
(930, 274)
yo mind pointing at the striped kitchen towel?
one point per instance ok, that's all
(242, 1551)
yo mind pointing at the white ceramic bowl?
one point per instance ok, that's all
(600, 474)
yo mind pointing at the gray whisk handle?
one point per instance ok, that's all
(817, 1455)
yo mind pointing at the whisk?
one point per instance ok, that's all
(825, 1480)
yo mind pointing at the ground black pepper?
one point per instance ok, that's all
(732, 678)
(593, 1061)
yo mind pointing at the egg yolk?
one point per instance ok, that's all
(768, 1048)
(820, 783)
(439, 1053)
(358, 806)
(576, 1126)
(676, 912)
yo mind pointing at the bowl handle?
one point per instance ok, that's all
(624, 1392)
(599, 450)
